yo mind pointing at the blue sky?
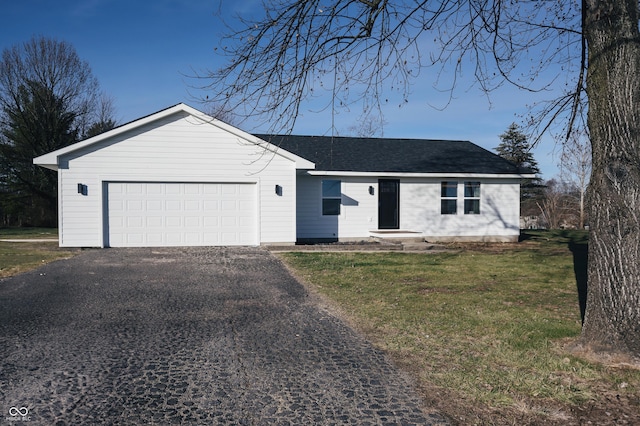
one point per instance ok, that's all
(143, 52)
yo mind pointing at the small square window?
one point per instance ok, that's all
(330, 207)
(471, 206)
(449, 190)
(472, 189)
(448, 206)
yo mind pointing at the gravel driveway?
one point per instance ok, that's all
(186, 336)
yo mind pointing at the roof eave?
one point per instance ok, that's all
(427, 175)
(46, 162)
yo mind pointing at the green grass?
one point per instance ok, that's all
(28, 233)
(23, 256)
(487, 320)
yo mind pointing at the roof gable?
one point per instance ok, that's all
(385, 155)
(51, 160)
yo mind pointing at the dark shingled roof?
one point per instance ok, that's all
(353, 154)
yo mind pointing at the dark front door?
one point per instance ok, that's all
(388, 204)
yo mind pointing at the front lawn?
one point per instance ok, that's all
(17, 257)
(482, 328)
(28, 233)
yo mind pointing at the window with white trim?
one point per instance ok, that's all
(331, 197)
(449, 197)
(472, 198)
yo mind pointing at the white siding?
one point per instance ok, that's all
(419, 209)
(499, 209)
(358, 212)
(178, 148)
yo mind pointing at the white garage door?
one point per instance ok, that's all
(151, 214)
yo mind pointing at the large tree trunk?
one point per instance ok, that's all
(612, 321)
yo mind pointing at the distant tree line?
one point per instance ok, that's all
(49, 99)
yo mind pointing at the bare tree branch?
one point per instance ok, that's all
(381, 46)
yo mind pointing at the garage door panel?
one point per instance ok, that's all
(211, 206)
(173, 221)
(154, 238)
(211, 189)
(211, 222)
(245, 205)
(154, 190)
(133, 189)
(173, 205)
(192, 205)
(229, 205)
(172, 189)
(154, 205)
(229, 221)
(229, 190)
(134, 238)
(117, 206)
(136, 205)
(229, 238)
(246, 222)
(192, 189)
(180, 214)
(173, 238)
(135, 222)
(192, 222)
(192, 238)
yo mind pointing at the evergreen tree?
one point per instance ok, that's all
(42, 124)
(99, 127)
(515, 147)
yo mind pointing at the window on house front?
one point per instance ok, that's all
(472, 198)
(331, 197)
(449, 197)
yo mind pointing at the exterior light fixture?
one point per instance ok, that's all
(279, 190)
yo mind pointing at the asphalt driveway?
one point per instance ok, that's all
(186, 336)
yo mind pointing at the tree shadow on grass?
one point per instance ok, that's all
(580, 260)
(578, 244)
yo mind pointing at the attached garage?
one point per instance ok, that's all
(175, 178)
(149, 214)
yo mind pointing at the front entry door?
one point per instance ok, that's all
(388, 204)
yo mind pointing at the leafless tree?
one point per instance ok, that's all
(368, 126)
(219, 112)
(575, 164)
(296, 48)
(55, 66)
(101, 119)
(557, 206)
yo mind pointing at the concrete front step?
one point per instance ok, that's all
(397, 236)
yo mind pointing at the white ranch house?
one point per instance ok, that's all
(182, 178)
